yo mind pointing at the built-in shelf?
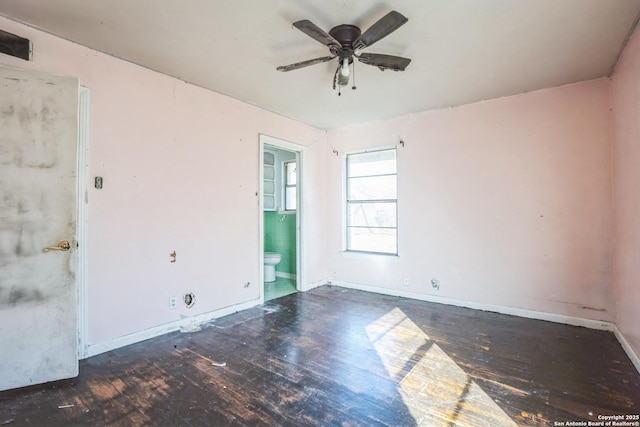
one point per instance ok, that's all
(269, 184)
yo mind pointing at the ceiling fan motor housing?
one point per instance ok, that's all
(346, 35)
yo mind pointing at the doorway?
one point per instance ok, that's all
(280, 176)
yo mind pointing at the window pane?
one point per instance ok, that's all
(371, 202)
(372, 240)
(290, 198)
(290, 172)
(371, 214)
(269, 202)
(268, 158)
(373, 163)
(269, 172)
(372, 188)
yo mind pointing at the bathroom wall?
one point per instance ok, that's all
(626, 197)
(280, 237)
(181, 173)
(507, 202)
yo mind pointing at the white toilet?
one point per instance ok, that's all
(271, 259)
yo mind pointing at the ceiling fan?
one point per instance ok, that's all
(345, 43)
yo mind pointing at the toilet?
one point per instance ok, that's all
(271, 259)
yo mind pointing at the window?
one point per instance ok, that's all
(372, 202)
(290, 186)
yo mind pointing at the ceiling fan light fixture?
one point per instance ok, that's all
(345, 70)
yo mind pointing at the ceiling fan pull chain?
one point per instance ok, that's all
(353, 74)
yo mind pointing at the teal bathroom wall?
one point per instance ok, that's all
(280, 237)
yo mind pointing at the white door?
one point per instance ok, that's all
(38, 299)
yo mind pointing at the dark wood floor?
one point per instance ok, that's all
(333, 356)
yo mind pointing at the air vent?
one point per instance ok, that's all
(13, 45)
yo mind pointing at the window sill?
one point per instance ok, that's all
(362, 254)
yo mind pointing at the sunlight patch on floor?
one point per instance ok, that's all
(433, 387)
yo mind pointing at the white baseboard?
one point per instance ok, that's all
(112, 344)
(530, 314)
(285, 275)
(309, 286)
(627, 348)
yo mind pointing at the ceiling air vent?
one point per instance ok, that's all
(13, 45)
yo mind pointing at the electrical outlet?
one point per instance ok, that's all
(334, 272)
(405, 281)
(435, 284)
(173, 303)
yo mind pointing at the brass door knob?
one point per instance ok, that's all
(63, 245)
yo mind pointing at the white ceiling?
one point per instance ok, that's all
(462, 51)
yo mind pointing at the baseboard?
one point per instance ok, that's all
(530, 314)
(112, 344)
(285, 275)
(115, 343)
(309, 286)
(627, 348)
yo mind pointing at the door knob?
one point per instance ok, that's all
(63, 245)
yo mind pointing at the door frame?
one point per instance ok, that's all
(266, 140)
(82, 226)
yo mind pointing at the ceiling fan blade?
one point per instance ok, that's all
(315, 32)
(385, 26)
(384, 62)
(306, 63)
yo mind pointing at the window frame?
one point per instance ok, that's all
(347, 202)
(286, 185)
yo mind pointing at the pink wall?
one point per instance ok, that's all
(506, 202)
(181, 171)
(626, 178)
